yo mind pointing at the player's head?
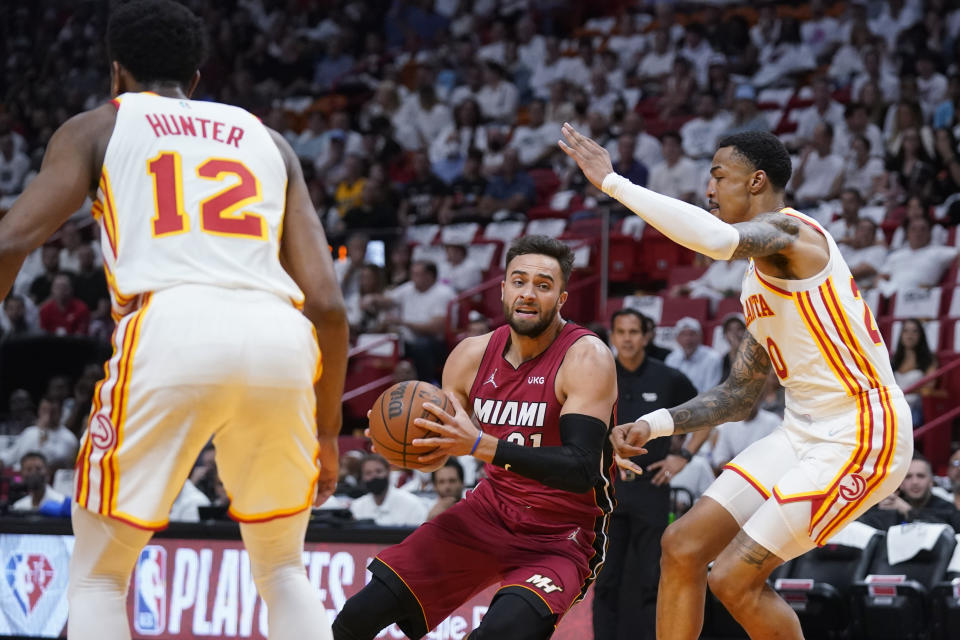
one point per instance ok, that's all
(748, 166)
(153, 43)
(535, 283)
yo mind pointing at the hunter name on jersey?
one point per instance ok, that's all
(509, 413)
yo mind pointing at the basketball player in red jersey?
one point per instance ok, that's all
(210, 243)
(541, 392)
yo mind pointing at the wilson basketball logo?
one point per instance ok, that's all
(102, 433)
(852, 487)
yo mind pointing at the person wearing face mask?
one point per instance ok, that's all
(33, 466)
(387, 506)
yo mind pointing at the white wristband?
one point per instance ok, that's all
(660, 421)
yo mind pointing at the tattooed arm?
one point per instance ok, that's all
(732, 399)
(765, 235)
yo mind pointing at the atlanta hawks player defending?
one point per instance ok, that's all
(193, 199)
(846, 439)
(541, 392)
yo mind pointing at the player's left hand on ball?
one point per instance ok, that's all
(592, 159)
(456, 432)
(628, 438)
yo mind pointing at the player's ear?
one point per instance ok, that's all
(757, 181)
(193, 83)
(562, 299)
(503, 284)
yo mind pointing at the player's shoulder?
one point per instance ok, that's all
(90, 125)
(589, 350)
(469, 351)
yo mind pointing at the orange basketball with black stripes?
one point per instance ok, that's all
(392, 427)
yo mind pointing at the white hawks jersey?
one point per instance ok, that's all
(820, 334)
(190, 193)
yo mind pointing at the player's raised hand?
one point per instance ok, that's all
(456, 433)
(592, 159)
(628, 440)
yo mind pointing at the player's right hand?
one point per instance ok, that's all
(628, 439)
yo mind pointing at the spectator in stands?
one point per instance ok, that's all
(498, 96)
(14, 166)
(536, 140)
(697, 50)
(20, 414)
(72, 241)
(41, 286)
(625, 595)
(746, 116)
(363, 312)
(844, 226)
(766, 31)
(375, 212)
(421, 118)
(477, 324)
(449, 150)
(510, 192)
(863, 254)
(820, 32)
(916, 207)
(953, 475)
(856, 123)
(847, 61)
(385, 505)
(467, 189)
(823, 109)
(734, 437)
(702, 364)
(89, 282)
(700, 134)
(76, 412)
(602, 95)
(946, 114)
(876, 70)
(627, 164)
(904, 116)
(422, 197)
(657, 63)
(14, 319)
(785, 59)
(456, 271)
(36, 479)
(548, 69)
(734, 328)
(864, 172)
(653, 350)
(348, 192)
(448, 484)
(347, 267)
(186, 506)
(919, 264)
(398, 266)
(420, 316)
(678, 89)
(64, 314)
(931, 84)
(911, 167)
(47, 436)
(647, 149)
(946, 182)
(677, 176)
(819, 174)
(722, 279)
(913, 502)
(334, 65)
(912, 361)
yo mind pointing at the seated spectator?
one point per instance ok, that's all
(878, 72)
(20, 414)
(36, 480)
(856, 123)
(375, 211)
(917, 207)
(647, 149)
(456, 271)
(477, 324)
(14, 319)
(862, 254)
(363, 312)
(913, 502)
(677, 176)
(448, 483)
(819, 174)
(919, 264)
(734, 437)
(385, 505)
(421, 316)
(466, 192)
(536, 140)
(48, 437)
(700, 134)
(946, 182)
(657, 63)
(449, 150)
(398, 265)
(702, 364)
(73, 242)
(511, 191)
(722, 279)
(421, 118)
(186, 506)
(627, 165)
(823, 109)
(497, 98)
(911, 167)
(347, 267)
(931, 84)
(862, 171)
(89, 282)
(14, 166)
(652, 349)
(548, 69)
(348, 192)
(912, 360)
(953, 478)
(423, 197)
(746, 116)
(64, 314)
(678, 89)
(43, 283)
(845, 226)
(734, 329)
(783, 60)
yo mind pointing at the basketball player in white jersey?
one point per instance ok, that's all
(210, 244)
(846, 440)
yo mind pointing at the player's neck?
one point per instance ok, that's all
(525, 348)
(765, 203)
(164, 89)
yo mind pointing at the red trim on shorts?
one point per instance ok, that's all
(750, 480)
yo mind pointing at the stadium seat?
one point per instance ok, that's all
(945, 601)
(916, 303)
(552, 227)
(684, 274)
(545, 182)
(891, 603)
(676, 308)
(726, 306)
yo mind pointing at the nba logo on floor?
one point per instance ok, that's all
(28, 575)
(150, 597)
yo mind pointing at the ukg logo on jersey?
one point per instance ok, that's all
(28, 576)
(150, 597)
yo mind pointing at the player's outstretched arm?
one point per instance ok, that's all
(69, 173)
(730, 401)
(305, 255)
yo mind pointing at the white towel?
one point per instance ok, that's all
(904, 541)
(856, 534)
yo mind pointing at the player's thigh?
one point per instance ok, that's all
(512, 617)
(747, 481)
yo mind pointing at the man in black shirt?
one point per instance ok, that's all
(625, 598)
(913, 502)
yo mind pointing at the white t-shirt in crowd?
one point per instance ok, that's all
(26, 502)
(734, 437)
(399, 509)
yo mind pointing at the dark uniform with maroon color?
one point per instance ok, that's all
(543, 544)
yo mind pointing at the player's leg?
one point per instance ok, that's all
(104, 553)
(638, 594)
(739, 580)
(371, 610)
(512, 616)
(294, 607)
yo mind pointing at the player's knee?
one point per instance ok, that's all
(350, 623)
(511, 617)
(679, 547)
(730, 589)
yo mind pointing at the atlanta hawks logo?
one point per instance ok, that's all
(102, 433)
(491, 380)
(852, 487)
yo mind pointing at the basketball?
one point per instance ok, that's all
(391, 423)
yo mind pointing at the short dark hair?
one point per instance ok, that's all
(454, 464)
(671, 134)
(429, 265)
(765, 152)
(375, 457)
(157, 40)
(627, 311)
(546, 246)
(733, 317)
(33, 454)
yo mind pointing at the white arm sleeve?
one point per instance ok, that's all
(683, 223)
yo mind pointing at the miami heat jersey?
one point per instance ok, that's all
(190, 193)
(820, 334)
(520, 405)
